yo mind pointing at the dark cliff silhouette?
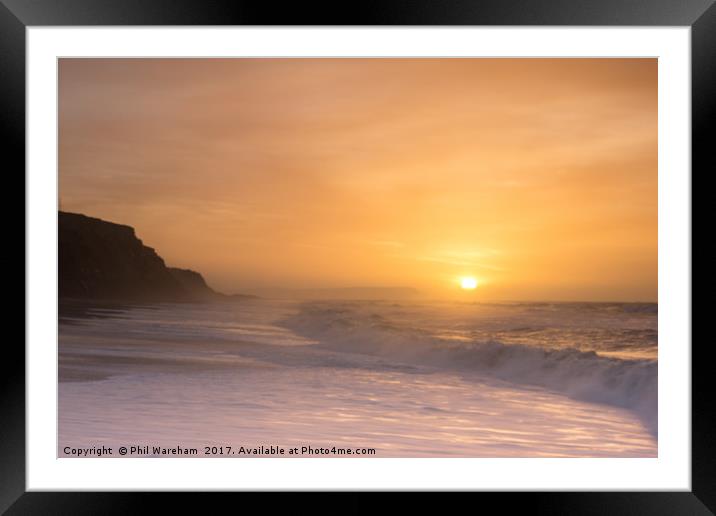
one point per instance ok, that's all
(193, 282)
(106, 261)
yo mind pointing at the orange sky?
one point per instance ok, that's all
(536, 176)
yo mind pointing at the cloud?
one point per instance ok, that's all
(298, 170)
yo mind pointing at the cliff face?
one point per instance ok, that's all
(103, 260)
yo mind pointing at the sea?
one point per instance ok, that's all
(363, 378)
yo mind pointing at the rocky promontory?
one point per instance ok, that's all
(102, 260)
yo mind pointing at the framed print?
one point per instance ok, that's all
(417, 248)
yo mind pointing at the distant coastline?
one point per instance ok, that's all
(347, 293)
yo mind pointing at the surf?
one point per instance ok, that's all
(369, 329)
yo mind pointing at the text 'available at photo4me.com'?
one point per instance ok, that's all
(152, 450)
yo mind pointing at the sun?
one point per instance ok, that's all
(468, 283)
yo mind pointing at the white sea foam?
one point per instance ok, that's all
(621, 381)
(417, 379)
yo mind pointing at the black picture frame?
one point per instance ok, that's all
(17, 15)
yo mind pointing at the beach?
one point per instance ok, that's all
(408, 379)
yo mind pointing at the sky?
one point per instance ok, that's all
(535, 177)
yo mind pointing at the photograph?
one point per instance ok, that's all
(357, 257)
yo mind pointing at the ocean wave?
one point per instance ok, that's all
(583, 375)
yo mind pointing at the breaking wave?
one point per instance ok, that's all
(583, 375)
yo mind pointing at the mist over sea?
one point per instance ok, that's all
(408, 378)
